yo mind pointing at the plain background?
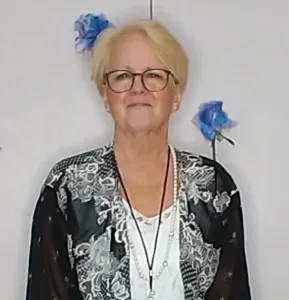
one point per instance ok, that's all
(50, 110)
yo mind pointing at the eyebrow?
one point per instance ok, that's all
(131, 69)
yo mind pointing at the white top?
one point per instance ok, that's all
(169, 285)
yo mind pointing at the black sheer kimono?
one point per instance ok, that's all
(79, 242)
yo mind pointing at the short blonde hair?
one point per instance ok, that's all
(169, 50)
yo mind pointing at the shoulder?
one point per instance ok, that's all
(207, 183)
(88, 160)
(211, 193)
(202, 165)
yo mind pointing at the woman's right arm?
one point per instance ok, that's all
(50, 274)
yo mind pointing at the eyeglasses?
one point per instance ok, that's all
(153, 80)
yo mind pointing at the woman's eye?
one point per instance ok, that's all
(153, 75)
(123, 76)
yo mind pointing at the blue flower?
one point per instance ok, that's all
(88, 27)
(211, 119)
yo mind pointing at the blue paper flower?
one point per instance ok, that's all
(211, 119)
(88, 27)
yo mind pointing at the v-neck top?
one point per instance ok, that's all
(171, 275)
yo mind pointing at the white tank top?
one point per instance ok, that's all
(169, 285)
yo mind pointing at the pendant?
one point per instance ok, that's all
(151, 294)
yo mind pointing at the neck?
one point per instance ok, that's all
(142, 147)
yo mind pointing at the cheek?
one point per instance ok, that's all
(114, 100)
(166, 99)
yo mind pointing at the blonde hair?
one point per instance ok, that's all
(169, 50)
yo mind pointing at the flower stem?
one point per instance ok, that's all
(214, 148)
(226, 138)
(214, 158)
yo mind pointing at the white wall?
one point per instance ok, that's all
(50, 109)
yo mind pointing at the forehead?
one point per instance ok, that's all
(134, 51)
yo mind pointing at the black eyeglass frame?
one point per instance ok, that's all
(168, 72)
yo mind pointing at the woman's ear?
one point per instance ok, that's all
(105, 102)
(177, 100)
(105, 99)
(104, 95)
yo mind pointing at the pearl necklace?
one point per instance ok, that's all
(164, 264)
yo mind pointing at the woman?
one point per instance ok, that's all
(138, 219)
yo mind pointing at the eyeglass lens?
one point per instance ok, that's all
(153, 80)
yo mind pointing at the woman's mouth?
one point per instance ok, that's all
(139, 105)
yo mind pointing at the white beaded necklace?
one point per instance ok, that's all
(164, 264)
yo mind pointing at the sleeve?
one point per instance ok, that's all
(232, 279)
(50, 273)
(240, 282)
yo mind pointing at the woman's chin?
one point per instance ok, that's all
(140, 125)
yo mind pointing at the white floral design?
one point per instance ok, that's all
(196, 177)
(53, 176)
(119, 221)
(221, 201)
(82, 181)
(118, 289)
(202, 257)
(98, 267)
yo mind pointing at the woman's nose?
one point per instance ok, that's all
(138, 86)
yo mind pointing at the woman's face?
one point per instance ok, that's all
(139, 109)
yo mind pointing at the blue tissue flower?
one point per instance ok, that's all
(88, 27)
(211, 120)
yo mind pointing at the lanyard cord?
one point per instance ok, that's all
(150, 264)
